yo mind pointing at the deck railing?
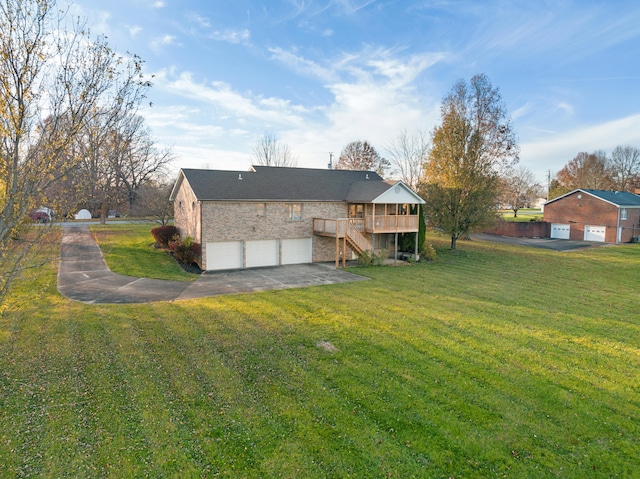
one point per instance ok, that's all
(369, 224)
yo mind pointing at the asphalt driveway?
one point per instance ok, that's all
(84, 276)
(546, 243)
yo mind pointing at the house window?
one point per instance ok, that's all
(623, 213)
(356, 211)
(261, 209)
(294, 211)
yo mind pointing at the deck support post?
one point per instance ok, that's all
(395, 256)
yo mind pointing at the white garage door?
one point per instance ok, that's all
(560, 231)
(224, 255)
(262, 253)
(296, 251)
(594, 233)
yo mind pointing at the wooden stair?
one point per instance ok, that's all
(357, 241)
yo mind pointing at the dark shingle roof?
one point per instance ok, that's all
(267, 183)
(618, 198)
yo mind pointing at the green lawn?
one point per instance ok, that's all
(494, 361)
(524, 214)
(128, 249)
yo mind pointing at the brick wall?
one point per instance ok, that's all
(529, 229)
(233, 221)
(186, 212)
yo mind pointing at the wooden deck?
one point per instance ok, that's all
(337, 228)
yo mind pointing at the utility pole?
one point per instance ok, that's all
(548, 183)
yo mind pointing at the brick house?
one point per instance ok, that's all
(594, 215)
(271, 216)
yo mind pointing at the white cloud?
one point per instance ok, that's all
(134, 30)
(220, 95)
(231, 36)
(158, 4)
(553, 152)
(163, 41)
(301, 65)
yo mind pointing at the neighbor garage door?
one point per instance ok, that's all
(262, 253)
(296, 251)
(224, 255)
(594, 233)
(560, 231)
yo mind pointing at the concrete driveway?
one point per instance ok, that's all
(84, 276)
(546, 243)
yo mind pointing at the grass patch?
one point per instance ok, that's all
(128, 249)
(524, 215)
(493, 361)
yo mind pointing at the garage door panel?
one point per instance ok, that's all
(560, 231)
(595, 233)
(224, 255)
(262, 253)
(296, 251)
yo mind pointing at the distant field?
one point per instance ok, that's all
(494, 361)
(525, 214)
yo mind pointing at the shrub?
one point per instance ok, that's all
(429, 252)
(370, 258)
(165, 234)
(186, 251)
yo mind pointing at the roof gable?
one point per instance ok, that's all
(621, 199)
(267, 183)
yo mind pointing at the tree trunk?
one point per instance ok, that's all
(453, 243)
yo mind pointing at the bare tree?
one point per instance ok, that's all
(518, 189)
(586, 170)
(153, 201)
(135, 157)
(408, 154)
(269, 151)
(625, 168)
(53, 79)
(472, 147)
(361, 155)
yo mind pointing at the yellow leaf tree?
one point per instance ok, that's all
(471, 148)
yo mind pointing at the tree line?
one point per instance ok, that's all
(599, 170)
(70, 132)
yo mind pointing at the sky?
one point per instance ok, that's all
(319, 74)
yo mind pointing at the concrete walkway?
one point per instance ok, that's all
(84, 276)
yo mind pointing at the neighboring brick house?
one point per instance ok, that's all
(594, 215)
(270, 216)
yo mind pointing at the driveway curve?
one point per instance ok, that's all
(83, 275)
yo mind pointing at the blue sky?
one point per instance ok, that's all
(320, 74)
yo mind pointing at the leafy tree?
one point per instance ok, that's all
(625, 168)
(408, 154)
(586, 170)
(54, 79)
(360, 155)
(556, 189)
(518, 188)
(471, 148)
(269, 151)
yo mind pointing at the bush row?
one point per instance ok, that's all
(185, 250)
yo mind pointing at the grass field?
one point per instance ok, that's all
(494, 361)
(524, 214)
